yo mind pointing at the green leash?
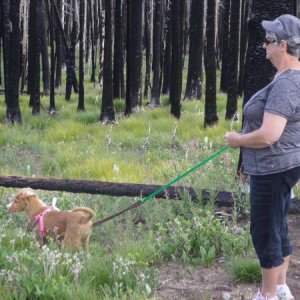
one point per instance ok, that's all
(143, 200)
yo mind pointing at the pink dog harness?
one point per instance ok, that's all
(40, 218)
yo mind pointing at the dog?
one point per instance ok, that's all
(71, 229)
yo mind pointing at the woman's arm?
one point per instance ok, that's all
(269, 133)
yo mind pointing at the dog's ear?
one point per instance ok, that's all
(27, 192)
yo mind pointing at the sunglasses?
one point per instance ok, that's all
(268, 41)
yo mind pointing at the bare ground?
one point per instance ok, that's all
(179, 282)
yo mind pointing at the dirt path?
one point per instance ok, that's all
(181, 282)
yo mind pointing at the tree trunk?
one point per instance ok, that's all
(232, 96)
(194, 77)
(36, 14)
(118, 67)
(157, 45)
(12, 51)
(58, 48)
(243, 45)
(225, 46)
(167, 56)
(80, 106)
(136, 54)
(148, 44)
(176, 74)
(51, 18)
(211, 116)
(44, 51)
(107, 109)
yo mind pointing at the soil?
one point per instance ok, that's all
(179, 282)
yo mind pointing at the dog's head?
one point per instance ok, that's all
(22, 200)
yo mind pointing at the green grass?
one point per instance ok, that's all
(245, 269)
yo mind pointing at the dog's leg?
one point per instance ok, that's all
(72, 239)
(85, 241)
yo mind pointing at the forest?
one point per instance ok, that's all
(166, 79)
(134, 50)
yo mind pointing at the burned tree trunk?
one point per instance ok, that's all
(177, 46)
(118, 67)
(80, 106)
(44, 50)
(232, 96)
(12, 51)
(211, 116)
(167, 55)
(107, 109)
(58, 48)
(148, 29)
(194, 77)
(157, 43)
(134, 19)
(36, 15)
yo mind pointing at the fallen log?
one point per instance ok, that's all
(222, 198)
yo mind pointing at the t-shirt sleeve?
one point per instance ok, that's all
(282, 98)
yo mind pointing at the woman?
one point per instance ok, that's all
(270, 142)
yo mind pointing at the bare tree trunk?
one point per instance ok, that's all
(211, 116)
(80, 106)
(194, 77)
(107, 109)
(167, 55)
(58, 48)
(118, 65)
(177, 47)
(35, 42)
(44, 51)
(232, 96)
(157, 43)
(225, 46)
(12, 50)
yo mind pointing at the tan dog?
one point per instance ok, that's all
(69, 228)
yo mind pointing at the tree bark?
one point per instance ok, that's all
(118, 66)
(12, 51)
(167, 55)
(177, 46)
(36, 14)
(225, 46)
(157, 45)
(44, 50)
(107, 109)
(194, 76)
(80, 106)
(148, 30)
(211, 117)
(221, 198)
(232, 96)
(58, 48)
(136, 54)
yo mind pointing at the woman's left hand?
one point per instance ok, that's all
(233, 139)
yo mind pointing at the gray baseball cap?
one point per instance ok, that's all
(286, 27)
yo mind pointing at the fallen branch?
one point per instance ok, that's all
(124, 189)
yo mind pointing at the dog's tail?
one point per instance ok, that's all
(88, 213)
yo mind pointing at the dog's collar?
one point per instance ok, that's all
(40, 218)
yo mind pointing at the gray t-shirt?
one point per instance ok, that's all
(280, 97)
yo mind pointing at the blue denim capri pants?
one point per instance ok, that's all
(269, 199)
